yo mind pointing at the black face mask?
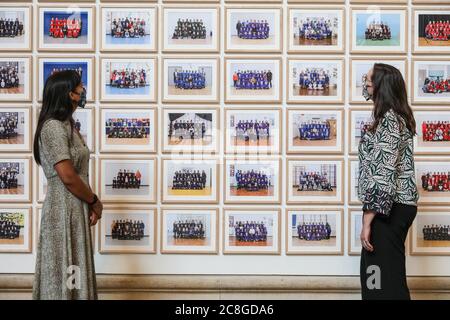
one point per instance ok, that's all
(82, 102)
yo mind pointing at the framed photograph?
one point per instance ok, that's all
(359, 67)
(355, 217)
(251, 130)
(130, 180)
(315, 130)
(190, 180)
(128, 230)
(312, 181)
(252, 180)
(15, 229)
(378, 30)
(129, 27)
(85, 66)
(353, 179)
(128, 79)
(316, 30)
(433, 131)
(430, 81)
(433, 181)
(430, 233)
(192, 231)
(252, 231)
(15, 179)
(191, 80)
(252, 79)
(431, 33)
(17, 22)
(191, 130)
(316, 80)
(15, 128)
(66, 28)
(191, 29)
(15, 78)
(314, 231)
(42, 183)
(253, 29)
(128, 129)
(360, 121)
(85, 123)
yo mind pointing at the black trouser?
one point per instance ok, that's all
(388, 237)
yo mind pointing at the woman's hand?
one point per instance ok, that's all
(366, 230)
(97, 208)
(93, 218)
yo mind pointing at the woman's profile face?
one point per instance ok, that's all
(369, 82)
(75, 95)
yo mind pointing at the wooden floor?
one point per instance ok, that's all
(190, 92)
(262, 142)
(314, 193)
(325, 42)
(433, 194)
(421, 143)
(244, 193)
(252, 92)
(235, 40)
(17, 241)
(190, 142)
(187, 193)
(314, 143)
(18, 190)
(322, 243)
(331, 91)
(187, 242)
(424, 42)
(128, 141)
(432, 243)
(235, 243)
(16, 140)
(18, 90)
(188, 41)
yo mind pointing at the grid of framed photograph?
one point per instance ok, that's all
(224, 126)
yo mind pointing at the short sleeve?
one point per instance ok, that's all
(55, 142)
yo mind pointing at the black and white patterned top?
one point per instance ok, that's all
(386, 166)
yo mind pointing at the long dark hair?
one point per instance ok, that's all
(56, 103)
(389, 92)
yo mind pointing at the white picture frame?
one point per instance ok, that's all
(20, 90)
(20, 40)
(18, 137)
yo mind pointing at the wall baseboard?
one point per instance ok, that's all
(222, 287)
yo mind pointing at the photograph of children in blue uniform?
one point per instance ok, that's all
(314, 180)
(125, 128)
(315, 28)
(187, 78)
(132, 78)
(12, 77)
(123, 178)
(253, 27)
(251, 180)
(191, 128)
(362, 125)
(190, 28)
(62, 27)
(314, 129)
(433, 80)
(12, 28)
(250, 230)
(317, 229)
(12, 127)
(378, 29)
(130, 27)
(188, 230)
(11, 228)
(11, 178)
(319, 79)
(252, 129)
(51, 67)
(188, 179)
(432, 232)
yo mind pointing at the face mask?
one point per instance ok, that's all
(365, 92)
(82, 101)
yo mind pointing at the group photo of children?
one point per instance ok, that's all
(127, 229)
(436, 131)
(436, 85)
(251, 180)
(133, 128)
(65, 28)
(436, 181)
(8, 125)
(252, 130)
(313, 181)
(127, 179)
(314, 130)
(255, 80)
(11, 28)
(378, 31)
(189, 180)
(438, 30)
(314, 231)
(314, 79)
(9, 75)
(189, 79)
(189, 229)
(190, 29)
(187, 129)
(436, 232)
(315, 29)
(9, 226)
(253, 29)
(128, 27)
(128, 78)
(250, 231)
(8, 175)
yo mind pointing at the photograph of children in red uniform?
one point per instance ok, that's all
(433, 181)
(434, 30)
(433, 131)
(61, 27)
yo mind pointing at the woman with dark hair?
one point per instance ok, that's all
(387, 185)
(65, 261)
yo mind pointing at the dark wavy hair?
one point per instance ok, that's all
(56, 103)
(389, 92)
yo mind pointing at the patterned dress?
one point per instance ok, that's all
(65, 247)
(386, 166)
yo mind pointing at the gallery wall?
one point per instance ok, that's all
(339, 58)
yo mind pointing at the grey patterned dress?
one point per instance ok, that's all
(65, 237)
